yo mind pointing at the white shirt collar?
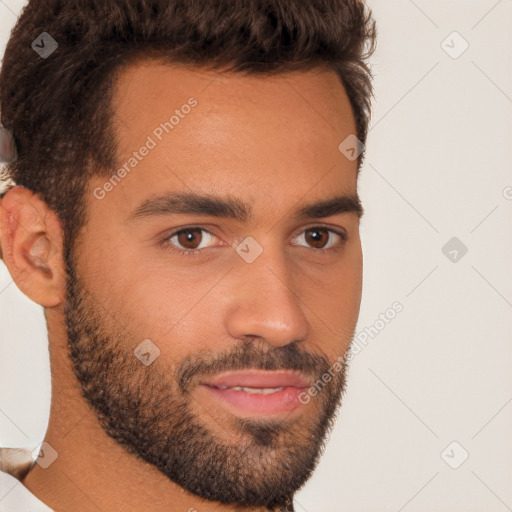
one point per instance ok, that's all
(15, 463)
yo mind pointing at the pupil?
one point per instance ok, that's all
(316, 237)
(189, 237)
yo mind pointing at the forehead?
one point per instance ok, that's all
(266, 136)
(149, 82)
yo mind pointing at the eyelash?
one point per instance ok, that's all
(195, 252)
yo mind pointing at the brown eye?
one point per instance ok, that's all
(189, 238)
(323, 238)
(317, 237)
(189, 241)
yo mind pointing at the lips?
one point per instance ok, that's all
(258, 379)
(257, 393)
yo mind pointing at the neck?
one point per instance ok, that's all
(92, 472)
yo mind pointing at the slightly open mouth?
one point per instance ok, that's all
(256, 401)
(262, 391)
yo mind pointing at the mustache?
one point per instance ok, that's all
(247, 355)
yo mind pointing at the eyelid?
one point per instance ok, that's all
(165, 241)
(338, 230)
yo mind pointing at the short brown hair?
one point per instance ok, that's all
(59, 107)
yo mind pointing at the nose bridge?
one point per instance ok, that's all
(264, 301)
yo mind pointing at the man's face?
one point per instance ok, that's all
(273, 301)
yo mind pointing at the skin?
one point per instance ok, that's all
(271, 142)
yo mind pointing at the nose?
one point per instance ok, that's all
(264, 302)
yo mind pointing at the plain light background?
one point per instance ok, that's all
(434, 385)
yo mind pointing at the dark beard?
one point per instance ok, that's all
(148, 410)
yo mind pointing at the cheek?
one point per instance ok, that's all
(168, 304)
(354, 287)
(337, 300)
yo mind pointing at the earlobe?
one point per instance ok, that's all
(31, 239)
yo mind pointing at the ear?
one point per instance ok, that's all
(31, 242)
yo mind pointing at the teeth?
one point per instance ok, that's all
(261, 391)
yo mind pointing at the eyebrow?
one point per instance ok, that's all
(233, 208)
